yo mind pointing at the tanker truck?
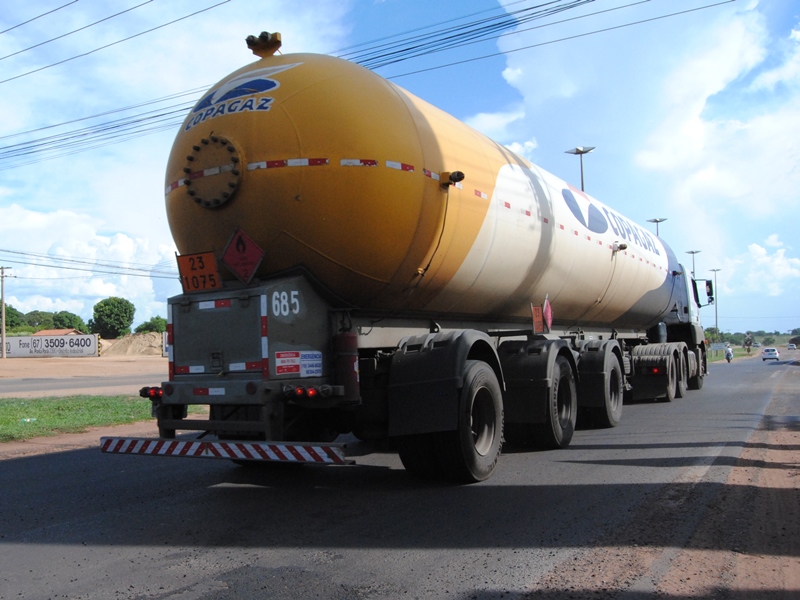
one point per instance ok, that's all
(358, 264)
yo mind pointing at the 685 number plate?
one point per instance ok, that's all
(199, 272)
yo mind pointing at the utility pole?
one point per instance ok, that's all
(3, 310)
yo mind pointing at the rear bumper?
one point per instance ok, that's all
(294, 452)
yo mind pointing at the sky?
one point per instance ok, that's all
(693, 107)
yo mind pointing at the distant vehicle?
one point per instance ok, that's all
(756, 344)
(770, 354)
(791, 347)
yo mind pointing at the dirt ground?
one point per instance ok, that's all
(747, 545)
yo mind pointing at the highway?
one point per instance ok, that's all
(85, 525)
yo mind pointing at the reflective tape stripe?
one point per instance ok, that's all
(302, 453)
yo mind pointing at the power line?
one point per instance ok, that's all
(107, 267)
(457, 35)
(564, 39)
(95, 271)
(37, 17)
(75, 30)
(193, 92)
(61, 62)
(518, 31)
(149, 122)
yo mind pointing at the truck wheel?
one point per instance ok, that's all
(610, 414)
(562, 408)
(470, 453)
(165, 412)
(672, 379)
(696, 382)
(682, 371)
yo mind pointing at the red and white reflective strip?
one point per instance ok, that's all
(297, 162)
(274, 451)
(198, 175)
(289, 162)
(483, 195)
(358, 162)
(157, 446)
(264, 338)
(208, 391)
(212, 304)
(399, 166)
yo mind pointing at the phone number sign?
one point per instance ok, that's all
(51, 345)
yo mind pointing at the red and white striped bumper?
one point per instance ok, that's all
(265, 451)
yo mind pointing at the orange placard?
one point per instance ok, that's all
(199, 272)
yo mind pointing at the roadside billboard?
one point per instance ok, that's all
(51, 345)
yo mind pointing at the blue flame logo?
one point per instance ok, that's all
(585, 212)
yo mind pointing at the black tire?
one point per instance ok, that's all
(696, 382)
(682, 372)
(562, 408)
(610, 414)
(166, 412)
(470, 453)
(672, 379)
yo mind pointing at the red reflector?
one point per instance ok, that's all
(299, 391)
(154, 392)
(312, 392)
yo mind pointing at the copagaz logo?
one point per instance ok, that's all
(599, 218)
(587, 213)
(241, 93)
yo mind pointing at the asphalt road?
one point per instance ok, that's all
(84, 525)
(62, 376)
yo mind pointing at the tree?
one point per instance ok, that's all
(67, 320)
(14, 318)
(112, 318)
(156, 324)
(40, 319)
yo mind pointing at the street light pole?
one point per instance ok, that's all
(580, 151)
(657, 221)
(716, 301)
(693, 252)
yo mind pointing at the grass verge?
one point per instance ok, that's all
(26, 418)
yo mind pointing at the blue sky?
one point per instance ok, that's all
(695, 118)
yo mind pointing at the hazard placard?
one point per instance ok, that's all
(242, 256)
(198, 272)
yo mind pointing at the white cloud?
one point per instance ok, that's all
(524, 149)
(33, 236)
(685, 138)
(495, 125)
(770, 272)
(788, 72)
(773, 241)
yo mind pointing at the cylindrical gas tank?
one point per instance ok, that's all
(328, 167)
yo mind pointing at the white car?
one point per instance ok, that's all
(792, 347)
(770, 354)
